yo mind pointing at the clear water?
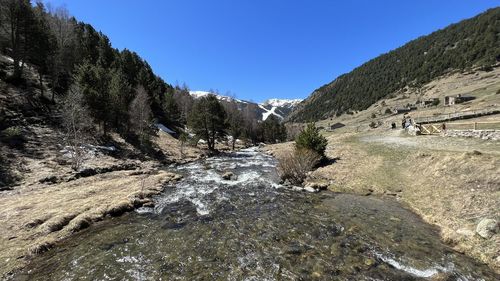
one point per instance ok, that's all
(252, 228)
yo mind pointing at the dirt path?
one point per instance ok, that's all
(398, 138)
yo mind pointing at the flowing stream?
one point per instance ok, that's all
(251, 228)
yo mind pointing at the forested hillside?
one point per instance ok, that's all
(65, 51)
(91, 88)
(469, 43)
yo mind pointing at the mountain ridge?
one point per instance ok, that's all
(277, 107)
(464, 45)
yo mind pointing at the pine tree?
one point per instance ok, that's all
(94, 83)
(17, 17)
(41, 51)
(273, 130)
(235, 123)
(208, 120)
(171, 110)
(120, 95)
(310, 138)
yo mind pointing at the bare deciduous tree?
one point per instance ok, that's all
(183, 138)
(61, 25)
(77, 124)
(140, 114)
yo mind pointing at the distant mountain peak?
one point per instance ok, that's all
(200, 94)
(282, 102)
(277, 107)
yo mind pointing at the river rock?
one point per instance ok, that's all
(316, 275)
(149, 204)
(296, 248)
(442, 276)
(228, 176)
(487, 228)
(317, 185)
(369, 262)
(466, 232)
(50, 180)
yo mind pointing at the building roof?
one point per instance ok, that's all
(163, 128)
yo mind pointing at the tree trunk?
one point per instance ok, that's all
(210, 144)
(40, 79)
(104, 128)
(14, 38)
(182, 149)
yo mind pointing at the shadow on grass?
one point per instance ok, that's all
(326, 161)
(7, 179)
(147, 149)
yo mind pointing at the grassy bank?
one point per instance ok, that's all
(452, 183)
(34, 218)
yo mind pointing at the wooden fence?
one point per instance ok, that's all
(456, 116)
(432, 129)
(491, 125)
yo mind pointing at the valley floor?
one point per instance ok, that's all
(453, 183)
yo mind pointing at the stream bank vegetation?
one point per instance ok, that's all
(444, 180)
(309, 152)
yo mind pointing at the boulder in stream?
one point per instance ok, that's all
(228, 176)
(317, 185)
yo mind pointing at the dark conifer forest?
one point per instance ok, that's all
(470, 43)
(71, 56)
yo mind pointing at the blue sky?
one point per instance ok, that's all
(260, 49)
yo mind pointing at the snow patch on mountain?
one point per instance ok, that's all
(200, 94)
(282, 102)
(283, 106)
(268, 112)
(277, 107)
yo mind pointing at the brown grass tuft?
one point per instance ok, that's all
(79, 223)
(39, 248)
(120, 208)
(57, 223)
(36, 222)
(293, 167)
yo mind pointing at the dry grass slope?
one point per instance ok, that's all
(35, 218)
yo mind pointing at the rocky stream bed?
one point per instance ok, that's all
(249, 227)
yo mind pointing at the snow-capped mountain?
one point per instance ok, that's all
(199, 94)
(282, 102)
(277, 107)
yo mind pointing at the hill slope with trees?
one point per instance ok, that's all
(470, 43)
(119, 89)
